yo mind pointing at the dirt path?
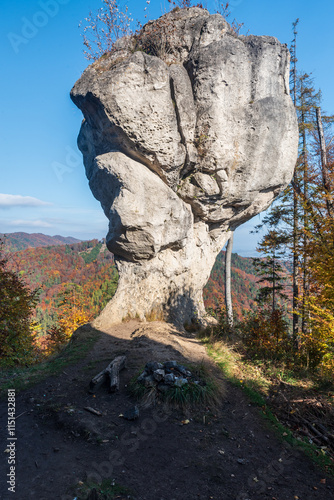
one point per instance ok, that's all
(224, 454)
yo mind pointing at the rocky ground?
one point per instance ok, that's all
(218, 453)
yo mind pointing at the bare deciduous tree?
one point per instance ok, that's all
(102, 29)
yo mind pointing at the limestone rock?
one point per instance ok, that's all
(188, 131)
(159, 375)
(180, 382)
(145, 215)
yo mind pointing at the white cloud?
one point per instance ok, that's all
(30, 223)
(16, 200)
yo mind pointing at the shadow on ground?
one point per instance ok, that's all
(222, 453)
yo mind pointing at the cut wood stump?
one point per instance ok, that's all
(109, 375)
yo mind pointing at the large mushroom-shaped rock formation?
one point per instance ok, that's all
(189, 131)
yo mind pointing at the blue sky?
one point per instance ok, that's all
(43, 186)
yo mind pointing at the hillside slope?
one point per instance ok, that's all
(20, 241)
(89, 268)
(85, 272)
(244, 284)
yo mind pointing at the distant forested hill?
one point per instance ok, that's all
(88, 272)
(20, 241)
(244, 284)
(83, 272)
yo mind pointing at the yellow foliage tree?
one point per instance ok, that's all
(72, 313)
(72, 310)
(318, 339)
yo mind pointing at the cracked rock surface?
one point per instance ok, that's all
(188, 131)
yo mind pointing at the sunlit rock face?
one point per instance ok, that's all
(189, 131)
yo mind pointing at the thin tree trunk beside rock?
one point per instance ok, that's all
(228, 291)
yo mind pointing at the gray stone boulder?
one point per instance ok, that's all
(188, 131)
(131, 206)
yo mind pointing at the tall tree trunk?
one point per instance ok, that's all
(324, 165)
(274, 282)
(228, 293)
(304, 255)
(295, 318)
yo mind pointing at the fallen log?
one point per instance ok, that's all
(308, 434)
(316, 433)
(314, 430)
(111, 373)
(97, 381)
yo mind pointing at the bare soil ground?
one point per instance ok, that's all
(221, 453)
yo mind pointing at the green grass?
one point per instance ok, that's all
(107, 490)
(237, 371)
(193, 395)
(256, 385)
(189, 395)
(20, 378)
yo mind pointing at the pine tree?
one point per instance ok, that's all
(293, 77)
(270, 268)
(289, 214)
